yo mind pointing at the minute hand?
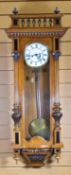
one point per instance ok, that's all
(38, 56)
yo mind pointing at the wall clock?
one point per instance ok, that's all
(36, 111)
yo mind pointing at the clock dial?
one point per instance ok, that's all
(36, 55)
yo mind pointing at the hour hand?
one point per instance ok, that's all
(39, 56)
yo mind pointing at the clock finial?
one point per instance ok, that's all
(15, 11)
(56, 10)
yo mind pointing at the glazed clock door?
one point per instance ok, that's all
(36, 91)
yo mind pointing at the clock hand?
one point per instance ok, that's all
(38, 56)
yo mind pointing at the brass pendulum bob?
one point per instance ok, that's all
(39, 126)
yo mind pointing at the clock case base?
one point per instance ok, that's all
(35, 157)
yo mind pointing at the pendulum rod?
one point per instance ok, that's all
(37, 89)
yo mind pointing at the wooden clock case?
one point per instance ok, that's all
(45, 29)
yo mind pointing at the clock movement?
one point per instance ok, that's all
(36, 111)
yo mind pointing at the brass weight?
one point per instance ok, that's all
(39, 127)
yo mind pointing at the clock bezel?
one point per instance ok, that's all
(36, 67)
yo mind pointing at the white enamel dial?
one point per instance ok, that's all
(36, 54)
